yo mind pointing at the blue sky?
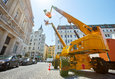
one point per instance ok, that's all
(87, 11)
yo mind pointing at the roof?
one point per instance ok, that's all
(101, 25)
(41, 28)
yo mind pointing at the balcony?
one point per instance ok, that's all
(9, 21)
(3, 4)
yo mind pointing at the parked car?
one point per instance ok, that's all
(34, 61)
(26, 61)
(8, 62)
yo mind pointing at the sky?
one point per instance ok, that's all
(87, 11)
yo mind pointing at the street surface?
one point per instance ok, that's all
(40, 71)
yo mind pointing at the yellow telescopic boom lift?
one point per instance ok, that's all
(76, 55)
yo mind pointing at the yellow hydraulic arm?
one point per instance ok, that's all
(83, 27)
(61, 40)
(90, 32)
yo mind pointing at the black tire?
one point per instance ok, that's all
(63, 64)
(55, 63)
(99, 65)
(5, 68)
(17, 65)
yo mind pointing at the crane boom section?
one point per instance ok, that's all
(83, 27)
(61, 40)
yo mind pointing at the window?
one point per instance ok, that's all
(71, 36)
(29, 48)
(58, 41)
(62, 36)
(5, 1)
(105, 35)
(33, 48)
(108, 35)
(71, 40)
(7, 40)
(75, 47)
(68, 36)
(58, 47)
(65, 36)
(75, 36)
(68, 41)
(17, 17)
(31, 40)
(15, 47)
(30, 43)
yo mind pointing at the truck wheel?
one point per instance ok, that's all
(55, 63)
(99, 65)
(64, 66)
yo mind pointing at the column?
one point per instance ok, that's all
(10, 47)
(3, 39)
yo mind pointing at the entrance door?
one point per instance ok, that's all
(3, 50)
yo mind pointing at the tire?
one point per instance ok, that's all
(5, 68)
(55, 63)
(17, 65)
(99, 65)
(64, 66)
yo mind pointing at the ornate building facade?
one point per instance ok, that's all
(16, 22)
(37, 44)
(51, 51)
(45, 51)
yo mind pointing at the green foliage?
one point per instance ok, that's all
(49, 56)
(27, 55)
(19, 56)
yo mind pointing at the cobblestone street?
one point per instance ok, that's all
(40, 71)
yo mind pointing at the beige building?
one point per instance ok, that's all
(51, 52)
(45, 52)
(16, 22)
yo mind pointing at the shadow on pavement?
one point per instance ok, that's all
(89, 74)
(55, 69)
(8, 69)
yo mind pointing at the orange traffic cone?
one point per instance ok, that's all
(49, 66)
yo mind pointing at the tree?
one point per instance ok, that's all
(49, 56)
(19, 56)
(27, 55)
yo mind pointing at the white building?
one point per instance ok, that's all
(37, 43)
(68, 34)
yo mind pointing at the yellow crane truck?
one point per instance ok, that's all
(76, 55)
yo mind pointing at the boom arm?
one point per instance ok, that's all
(83, 27)
(61, 40)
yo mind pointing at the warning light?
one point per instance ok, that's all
(48, 14)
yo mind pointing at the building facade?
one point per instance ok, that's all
(45, 51)
(51, 51)
(68, 34)
(16, 22)
(36, 44)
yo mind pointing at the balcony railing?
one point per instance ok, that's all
(3, 4)
(9, 21)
